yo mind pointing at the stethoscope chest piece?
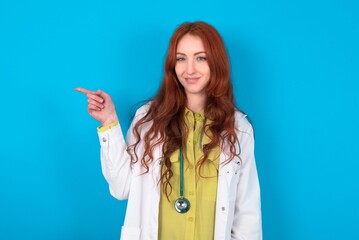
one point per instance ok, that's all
(182, 205)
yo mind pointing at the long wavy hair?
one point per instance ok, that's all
(167, 107)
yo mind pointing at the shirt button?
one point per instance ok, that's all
(190, 219)
(104, 139)
(223, 208)
(194, 142)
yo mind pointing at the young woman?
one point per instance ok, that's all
(188, 168)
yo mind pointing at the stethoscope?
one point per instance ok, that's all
(182, 204)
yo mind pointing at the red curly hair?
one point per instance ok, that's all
(166, 111)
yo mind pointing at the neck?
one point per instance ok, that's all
(195, 102)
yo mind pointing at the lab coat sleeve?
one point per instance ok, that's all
(115, 159)
(247, 222)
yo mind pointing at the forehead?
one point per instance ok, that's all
(190, 44)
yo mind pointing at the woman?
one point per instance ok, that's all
(188, 168)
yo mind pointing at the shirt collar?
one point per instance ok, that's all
(190, 116)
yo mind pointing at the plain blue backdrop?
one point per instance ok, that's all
(295, 72)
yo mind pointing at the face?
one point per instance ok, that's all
(191, 68)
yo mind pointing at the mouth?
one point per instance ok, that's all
(192, 80)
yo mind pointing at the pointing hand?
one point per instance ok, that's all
(100, 106)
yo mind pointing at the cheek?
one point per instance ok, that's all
(177, 71)
(178, 74)
(204, 69)
(207, 72)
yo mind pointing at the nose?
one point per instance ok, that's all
(190, 67)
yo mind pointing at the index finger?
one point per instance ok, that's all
(83, 90)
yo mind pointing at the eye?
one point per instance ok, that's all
(180, 59)
(201, 58)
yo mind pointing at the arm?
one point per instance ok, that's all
(247, 222)
(115, 159)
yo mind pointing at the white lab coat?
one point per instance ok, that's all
(238, 210)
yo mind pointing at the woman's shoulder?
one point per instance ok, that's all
(243, 122)
(141, 110)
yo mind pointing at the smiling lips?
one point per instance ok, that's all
(192, 80)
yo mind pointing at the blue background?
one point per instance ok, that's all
(295, 72)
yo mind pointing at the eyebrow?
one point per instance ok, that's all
(194, 54)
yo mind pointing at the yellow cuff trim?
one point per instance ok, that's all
(107, 127)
